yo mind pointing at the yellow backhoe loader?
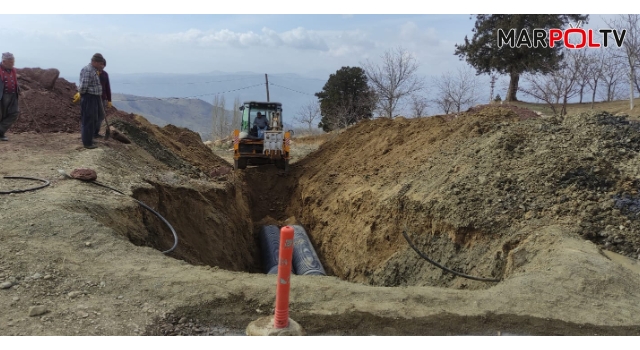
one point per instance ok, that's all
(269, 144)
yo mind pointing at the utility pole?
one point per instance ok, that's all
(631, 79)
(493, 84)
(266, 79)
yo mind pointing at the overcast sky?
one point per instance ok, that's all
(304, 44)
(313, 45)
(172, 43)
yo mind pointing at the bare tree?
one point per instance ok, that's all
(557, 87)
(394, 79)
(219, 118)
(581, 65)
(595, 62)
(457, 91)
(237, 113)
(343, 117)
(308, 114)
(419, 106)
(630, 22)
(612, 74)
(445, 105)
(541, 87)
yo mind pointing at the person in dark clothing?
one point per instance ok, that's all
(90, 91)
(106, 96)
(260, 123)
(9, 92)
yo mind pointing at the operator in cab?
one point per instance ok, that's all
(260, 124)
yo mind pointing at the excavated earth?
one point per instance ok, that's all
(546, 207)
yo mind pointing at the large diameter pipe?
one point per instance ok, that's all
(305, 259)
(269, 246)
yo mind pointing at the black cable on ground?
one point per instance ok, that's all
(422, 255)
(46, 183)
(175, 235)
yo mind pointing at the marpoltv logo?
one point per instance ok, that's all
(555, 36)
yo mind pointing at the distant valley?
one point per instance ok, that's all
(193, 114)
(186, 99)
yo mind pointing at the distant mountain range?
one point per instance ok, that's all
(186, 99)
(193, 114)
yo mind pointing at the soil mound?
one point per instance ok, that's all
(492, 110)
(46, 107)
(46, 103)
(179, 148)
(464, 190)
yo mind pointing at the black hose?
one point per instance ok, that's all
(175, 235)
(46, 183)
(422, 255)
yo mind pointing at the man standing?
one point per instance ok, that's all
(106, 96)
(9, 91)
(90, 91)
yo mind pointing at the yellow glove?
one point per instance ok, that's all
(76, 98)
(109, 105)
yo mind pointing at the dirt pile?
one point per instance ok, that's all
(179, 148)
(464, 189)
(503, 109)
(46, 103)
(38, 78)
(46, 108)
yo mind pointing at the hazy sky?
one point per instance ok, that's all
(174, 38)
(174, 43)
(304, 44)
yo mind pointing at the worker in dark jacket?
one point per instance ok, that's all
(9, 92)
(90, 91)
(260, 123)
(106, 96)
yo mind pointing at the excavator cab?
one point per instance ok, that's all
(265, 145)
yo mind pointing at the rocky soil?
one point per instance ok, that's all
(465, 189)
(547, 206)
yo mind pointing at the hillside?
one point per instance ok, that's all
(292, 90)
(194, 114)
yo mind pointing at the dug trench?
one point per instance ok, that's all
(216, 227)
(468, 199)
(219, 226)
(541, 203)
(213, 226)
